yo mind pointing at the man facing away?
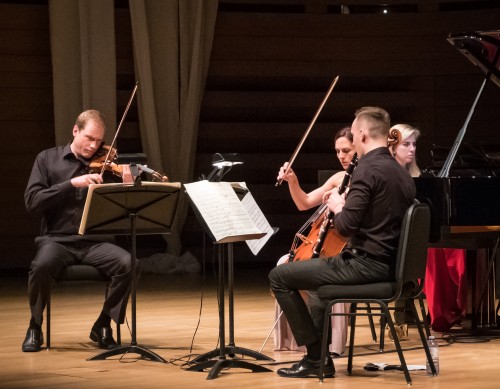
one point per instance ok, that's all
(370, 215)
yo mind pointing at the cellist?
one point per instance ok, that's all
(380, 192)
(283, 338)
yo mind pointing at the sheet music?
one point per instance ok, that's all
(260, 221)
(222, 211)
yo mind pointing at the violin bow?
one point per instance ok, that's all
(119, 127)
(304, 137)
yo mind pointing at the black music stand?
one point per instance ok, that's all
(217, 358)
(142, 208)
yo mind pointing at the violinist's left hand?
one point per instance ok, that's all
(335, 202)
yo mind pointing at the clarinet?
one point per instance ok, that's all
(328, 220)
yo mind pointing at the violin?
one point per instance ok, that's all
(105, 160)
(101, 162)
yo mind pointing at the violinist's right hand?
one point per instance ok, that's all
(289, 176)
(85, 180)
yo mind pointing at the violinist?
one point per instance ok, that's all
(283, 338)
(370, 215)
(56, 191)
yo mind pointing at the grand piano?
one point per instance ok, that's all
(463, 192)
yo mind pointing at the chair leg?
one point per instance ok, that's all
(424, 315)
(390, 323)
(423, 338)
(324, 341)
(383, 323)
(118, 334)
(354, 309)
(370, 320)
(47, 318)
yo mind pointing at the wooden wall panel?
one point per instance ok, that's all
(268, 73)
(26, 121)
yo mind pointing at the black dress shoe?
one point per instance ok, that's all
(33, 341)
(308, 368)
(103, 336)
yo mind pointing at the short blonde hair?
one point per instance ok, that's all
(379, 119)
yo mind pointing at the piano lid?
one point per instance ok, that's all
(482, 48)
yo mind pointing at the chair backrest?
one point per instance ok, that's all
(412, 251)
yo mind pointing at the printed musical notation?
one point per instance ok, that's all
(222, 212)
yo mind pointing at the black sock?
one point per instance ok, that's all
(314, 351)
(35, 326)
(103, 320)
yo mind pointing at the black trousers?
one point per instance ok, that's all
(56, 253)
(344, 269)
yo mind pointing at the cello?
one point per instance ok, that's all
(324, 231)
(322, 241)
(304, 246)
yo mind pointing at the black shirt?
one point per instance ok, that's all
(379, 195)
(50, 194)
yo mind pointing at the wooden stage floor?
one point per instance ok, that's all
(169, 308)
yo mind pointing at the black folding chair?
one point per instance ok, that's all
(410, 268)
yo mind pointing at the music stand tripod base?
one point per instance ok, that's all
(216, 365)
(143, 352)
(232, 351)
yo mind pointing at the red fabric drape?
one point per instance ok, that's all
(445, 287)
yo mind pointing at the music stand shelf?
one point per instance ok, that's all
(142, 208)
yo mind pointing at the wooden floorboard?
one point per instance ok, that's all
(168, 312)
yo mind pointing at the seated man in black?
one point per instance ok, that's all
(57, 190)
(370, 215)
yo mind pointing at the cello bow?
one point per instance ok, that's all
(306, 134)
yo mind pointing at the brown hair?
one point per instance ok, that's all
(343, 133)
